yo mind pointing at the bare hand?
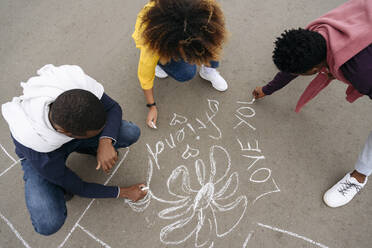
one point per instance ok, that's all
(134, 192)
(152, 117)
(258, 93)
(106, 155)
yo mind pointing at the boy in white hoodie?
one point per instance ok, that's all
(61, 111)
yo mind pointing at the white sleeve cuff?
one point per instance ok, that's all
(118, 192)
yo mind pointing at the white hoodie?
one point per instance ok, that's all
(27, 115)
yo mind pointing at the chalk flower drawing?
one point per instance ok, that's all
(200, 208)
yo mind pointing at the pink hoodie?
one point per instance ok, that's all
(347, 30)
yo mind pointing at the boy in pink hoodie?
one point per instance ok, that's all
(338, 46)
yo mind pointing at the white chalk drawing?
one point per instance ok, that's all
(260, 180)
(247, 239)
(190, 152)
(177, 119)
(15, 162)
(253, 157)
(196, 203)
(276, 190)
(198, 210)
(249, 147)
(159, 149)
(202, 125)
(10, 167)
(7, 153)
(103, 244)
(259, 175)
(177, 138)
(275, 229)
(192, 130)
(10, 225)
(214, 108)
(180, 135)
(244, 113)
(77, 223)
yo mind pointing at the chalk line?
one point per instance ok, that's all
(117, 167)
(251, 102)
(14, 231)
(247, 239)
(76, 224)
(293, 235)
(1, 146)
(262, 180)
(91, 202)
(243, 121)
(6, 170)
(94, 237)
(270, 192)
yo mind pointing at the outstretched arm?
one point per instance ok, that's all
(146, 75)
(280, 80)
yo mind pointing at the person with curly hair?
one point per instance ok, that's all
(175, 36)
(338, 46)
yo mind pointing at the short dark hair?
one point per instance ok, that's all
(299, 50)
(78, 111)
(192, 30)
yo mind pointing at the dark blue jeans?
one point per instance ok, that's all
(183, 71)
(45, 201)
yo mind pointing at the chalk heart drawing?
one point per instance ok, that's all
(201, 207)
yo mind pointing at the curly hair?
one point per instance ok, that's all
(299, 50)
(192, 30)
(78, 111)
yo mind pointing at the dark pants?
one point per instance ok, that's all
(45, 201)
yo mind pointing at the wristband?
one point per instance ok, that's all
(150, 105)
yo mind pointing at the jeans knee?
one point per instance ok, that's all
(48, 227)
(129, 134)
(186, 75)
(135, 133)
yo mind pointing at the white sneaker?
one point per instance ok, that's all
(160, 73)
(212, 75)
(343, 191)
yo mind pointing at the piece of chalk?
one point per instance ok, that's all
(153, 125)
(145, 188)
(253, 100)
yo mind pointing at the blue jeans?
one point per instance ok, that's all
(45, 201)
(183, 71)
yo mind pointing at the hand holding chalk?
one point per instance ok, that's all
(135, 192)
(152, 117)
(258, 93)
(145, 188)
(153, 125)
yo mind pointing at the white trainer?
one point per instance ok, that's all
(212, 75)
(343, 191)
(160, 73)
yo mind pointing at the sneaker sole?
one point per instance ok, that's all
(161, 76)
